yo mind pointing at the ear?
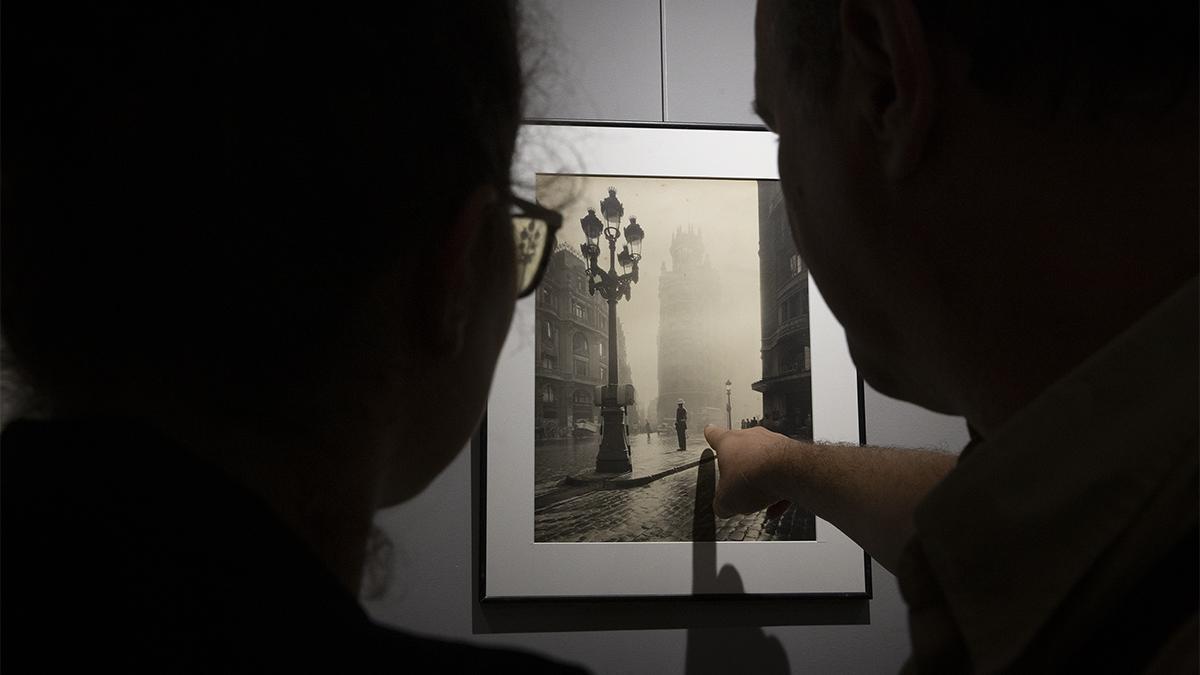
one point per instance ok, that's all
(889, 67)
(453, 284)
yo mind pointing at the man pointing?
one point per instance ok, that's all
(998, 201)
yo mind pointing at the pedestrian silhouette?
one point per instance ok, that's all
(681, 416)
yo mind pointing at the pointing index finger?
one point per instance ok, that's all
(713, 434)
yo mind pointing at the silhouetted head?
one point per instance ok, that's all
(962, 177)
(262, 210)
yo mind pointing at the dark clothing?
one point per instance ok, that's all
(122, 552)
(681, 426)
(1067, 540)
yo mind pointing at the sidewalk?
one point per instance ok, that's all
(651, 461)
(556, 461)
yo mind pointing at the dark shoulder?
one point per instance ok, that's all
(121, 549)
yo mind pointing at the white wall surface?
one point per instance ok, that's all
(898, 424)
(708, 61)
(594, 59)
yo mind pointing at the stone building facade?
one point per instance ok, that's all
(786, 383)
(689, 296)
(571, 348)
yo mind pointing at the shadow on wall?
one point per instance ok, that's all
(722, 650)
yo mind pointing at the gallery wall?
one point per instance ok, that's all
(650, 61)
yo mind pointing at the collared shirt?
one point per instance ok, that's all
(1067, 541)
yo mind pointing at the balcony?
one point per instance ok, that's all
(554, 374)
(793, 282)
(547, 308)
(788, 381)
(788, 328)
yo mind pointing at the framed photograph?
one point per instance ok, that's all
(673, 298)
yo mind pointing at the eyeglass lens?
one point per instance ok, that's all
(529, 235)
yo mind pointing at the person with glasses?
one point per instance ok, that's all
(534, 230)
(244, 263)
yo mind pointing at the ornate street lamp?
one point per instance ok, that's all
(634, 235)
(613, 456)
(612, 209)
(729, 402)
(625, 260)
(593, 227)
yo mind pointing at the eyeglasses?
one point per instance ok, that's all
(533, 233)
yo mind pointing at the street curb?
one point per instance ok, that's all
(623, 483)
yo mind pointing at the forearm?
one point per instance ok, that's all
(868, 493)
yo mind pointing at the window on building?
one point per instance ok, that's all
(578, 310)
(579, 344)
(603, 374)
(793, 307)
(796, 264)
(600, 350)
(547, 392)
(796, 307)
(582, 396)
(549, 361)
(581, 367)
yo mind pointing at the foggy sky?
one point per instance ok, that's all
(725, 213)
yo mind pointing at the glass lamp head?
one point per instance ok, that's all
(634, 234)
(592, 227)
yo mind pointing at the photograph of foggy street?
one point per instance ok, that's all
(668, 304)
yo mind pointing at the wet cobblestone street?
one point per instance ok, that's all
(663, 510)
(555, 460)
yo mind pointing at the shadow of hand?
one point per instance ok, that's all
(736, 648)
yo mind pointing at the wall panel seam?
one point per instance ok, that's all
(662, 55)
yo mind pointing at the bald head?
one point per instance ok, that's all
(1095, 56)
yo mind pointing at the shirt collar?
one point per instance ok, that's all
(1011, 530)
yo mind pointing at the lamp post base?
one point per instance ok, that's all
(614, 446)
(614, 466)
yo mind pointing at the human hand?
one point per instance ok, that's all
(748, 462)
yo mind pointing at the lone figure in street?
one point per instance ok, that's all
(647, 431)
(681, 425)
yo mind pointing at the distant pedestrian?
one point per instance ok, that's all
(647, 431)
(681, 424)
